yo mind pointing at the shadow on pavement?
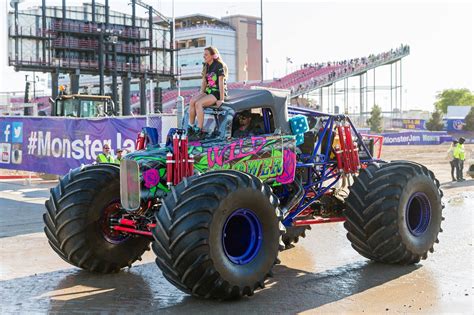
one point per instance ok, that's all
(22, 207)
(143, 289)
(19, 218)
(451, 184)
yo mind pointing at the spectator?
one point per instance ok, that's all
(105, 156)
(452, 160)
(459, 158)
(120, 154)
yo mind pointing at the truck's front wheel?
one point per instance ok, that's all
(77, 221)
(217, 235)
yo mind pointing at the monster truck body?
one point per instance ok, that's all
(218, 211)
(267, 156)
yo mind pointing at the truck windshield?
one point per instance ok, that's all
(81, 108)
(92, 108)
(69, 108)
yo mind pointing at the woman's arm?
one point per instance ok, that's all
(203, 85)
(221, 90)
(221, 87)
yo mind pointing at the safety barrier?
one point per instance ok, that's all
(416, 138)
(56, 145)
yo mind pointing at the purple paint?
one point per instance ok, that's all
(235, 150)
(289, 167)
(151, 178)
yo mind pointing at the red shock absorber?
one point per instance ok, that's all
(140, 142)
(184, 156)
(356, 156)
(353, 153)
(349, 147)
(345, 155)
(176, 159)
(169, 169)
(191, 165)
(338, 153)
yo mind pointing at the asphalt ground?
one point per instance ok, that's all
(321, 274)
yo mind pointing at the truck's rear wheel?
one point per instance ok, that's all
(217, 235)
(294, 233)
(77, 220)
(394, 212)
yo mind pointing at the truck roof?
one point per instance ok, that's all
(276, 101)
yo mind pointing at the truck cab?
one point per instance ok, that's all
(268, 114)
(83, 106)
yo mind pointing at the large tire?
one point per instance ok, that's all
(294, 233)
(394, 212)
(197, 241)
(77, 226)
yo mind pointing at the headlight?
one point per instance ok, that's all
(129, 185)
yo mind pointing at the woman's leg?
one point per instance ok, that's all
(192, 108)
(203, 102)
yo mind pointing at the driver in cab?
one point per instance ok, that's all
(244, 128)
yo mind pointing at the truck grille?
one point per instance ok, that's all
(129, 185)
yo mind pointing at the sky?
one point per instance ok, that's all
(440, 35)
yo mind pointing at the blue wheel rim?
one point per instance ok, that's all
(418, 213)
(242, 236)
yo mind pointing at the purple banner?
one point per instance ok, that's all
(55, 145)
(416, 138)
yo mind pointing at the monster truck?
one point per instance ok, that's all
(218, 211)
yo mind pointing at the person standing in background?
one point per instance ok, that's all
(459, 157)
(120, 154)
(105, 156)
(452, 162)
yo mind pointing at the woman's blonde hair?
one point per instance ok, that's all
(215, 52)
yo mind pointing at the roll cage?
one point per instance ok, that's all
(321, 170)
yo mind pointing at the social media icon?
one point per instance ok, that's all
(17, 136)
(5, 129)
(5, 153)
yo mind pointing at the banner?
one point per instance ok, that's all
(414, 124)
(415, 138)
(454, 125)
(56, 145)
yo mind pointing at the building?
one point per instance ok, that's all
(248, 46)
(237, 37)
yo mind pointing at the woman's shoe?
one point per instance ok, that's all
(197, 135)
(190, 131)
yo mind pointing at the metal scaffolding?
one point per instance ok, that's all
(93, 40)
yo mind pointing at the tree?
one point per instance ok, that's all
(453, 97)
(469, 120)
(375, 120)
(436, 122)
